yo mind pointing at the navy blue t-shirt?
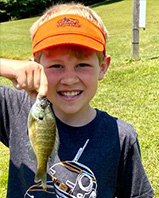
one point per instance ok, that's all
(98, 160)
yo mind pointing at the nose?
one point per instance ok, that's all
(69, 77)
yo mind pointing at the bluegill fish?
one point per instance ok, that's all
(43, 136)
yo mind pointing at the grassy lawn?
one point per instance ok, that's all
(130, 89)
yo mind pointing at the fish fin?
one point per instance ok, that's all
(52, 156)
(31, 153)
(40, 176)
(55, 149)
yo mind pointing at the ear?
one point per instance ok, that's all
(104, 66)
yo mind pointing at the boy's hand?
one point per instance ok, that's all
(31, 77)
(27, 75)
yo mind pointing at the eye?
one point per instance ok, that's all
(83, 65)
(55, 66)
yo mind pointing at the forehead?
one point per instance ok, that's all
(75, 50)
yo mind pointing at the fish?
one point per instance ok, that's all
(43, 136)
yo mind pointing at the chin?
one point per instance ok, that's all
(70, 111)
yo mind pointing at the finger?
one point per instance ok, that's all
(21, 81)
(43, 89)
(15, 84)
(30, 79)
(32, 94)
(37, 76)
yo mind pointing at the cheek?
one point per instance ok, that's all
(91, 78)
(51, 77)
(52, 85)
(91, 82)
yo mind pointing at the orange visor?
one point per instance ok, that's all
(69, 29)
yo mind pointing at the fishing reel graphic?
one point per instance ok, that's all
(72, 179)
(81, 184)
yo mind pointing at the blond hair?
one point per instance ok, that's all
(69, 8)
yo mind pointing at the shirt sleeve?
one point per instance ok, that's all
(12, 102)
(132, 179)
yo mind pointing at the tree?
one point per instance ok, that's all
(19, 9)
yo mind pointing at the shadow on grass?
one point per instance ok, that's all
(155, 57)
(106, 2)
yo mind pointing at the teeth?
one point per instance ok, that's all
(70, 94)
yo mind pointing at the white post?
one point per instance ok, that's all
(135, 30)
(142, 18)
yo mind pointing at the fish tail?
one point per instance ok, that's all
(40, 176)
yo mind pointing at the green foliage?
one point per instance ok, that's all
(20, 9)
(4, 15)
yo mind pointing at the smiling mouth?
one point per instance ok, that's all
(69, 93)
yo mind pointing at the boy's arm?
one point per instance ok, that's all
(133, 181)
(27, 75)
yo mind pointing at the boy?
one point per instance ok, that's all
(99, 155)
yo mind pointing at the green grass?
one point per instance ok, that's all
(4, 157)
(130, 89)
(15, 39)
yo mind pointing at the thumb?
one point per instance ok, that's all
(43, 89)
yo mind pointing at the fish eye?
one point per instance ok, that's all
(42, 106)
(40, 117)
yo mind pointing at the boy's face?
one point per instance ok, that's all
(73, 73)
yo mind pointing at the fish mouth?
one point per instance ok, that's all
(69, 94)
(44, 103)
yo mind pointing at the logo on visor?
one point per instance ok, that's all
(68, 22)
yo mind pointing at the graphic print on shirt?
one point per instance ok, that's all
(70, 179)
